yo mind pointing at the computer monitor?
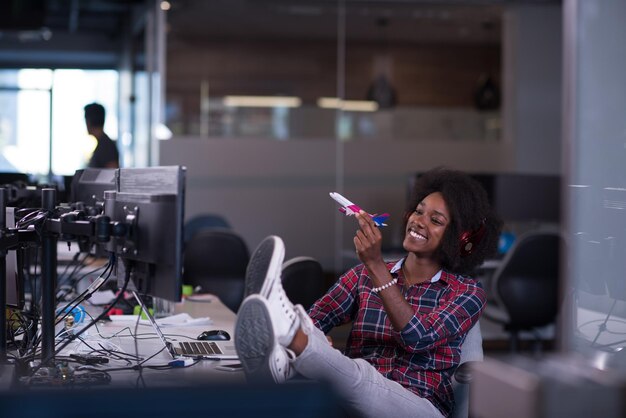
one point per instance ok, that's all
(14, 274)
(86, 193)
(150, 203)
(518, 197)
(528, 197)
(14, 177)
(88, 186)
(22, 191)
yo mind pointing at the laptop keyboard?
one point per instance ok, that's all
(200, 348)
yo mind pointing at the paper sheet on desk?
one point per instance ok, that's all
(102, 297)
(178, 320)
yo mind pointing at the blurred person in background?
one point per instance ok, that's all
(105, 155)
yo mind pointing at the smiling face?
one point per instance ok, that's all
(426, 225)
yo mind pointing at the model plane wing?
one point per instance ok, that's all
(350, 209)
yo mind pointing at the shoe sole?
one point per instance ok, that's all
(254, 339)
(265, 263)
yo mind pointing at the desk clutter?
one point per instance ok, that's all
(95, 291)
(118, 348)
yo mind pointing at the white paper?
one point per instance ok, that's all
(178, 320)
(102, 297)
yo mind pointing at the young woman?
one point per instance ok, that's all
(409, 317)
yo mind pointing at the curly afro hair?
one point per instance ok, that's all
(469, 208)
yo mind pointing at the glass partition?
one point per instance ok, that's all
(431, 71)
(595, 318)
(42, 126)
(25, 97)
(413, 71)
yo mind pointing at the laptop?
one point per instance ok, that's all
(213, 350)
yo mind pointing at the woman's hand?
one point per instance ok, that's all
(368, 240)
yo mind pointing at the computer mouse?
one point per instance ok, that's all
(214, 335)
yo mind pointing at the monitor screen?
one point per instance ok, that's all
(528, 197)
(150, 202)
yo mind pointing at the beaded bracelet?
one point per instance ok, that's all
(385, 286)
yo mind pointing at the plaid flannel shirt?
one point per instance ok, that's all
(423, 355)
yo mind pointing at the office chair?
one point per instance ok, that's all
(303, 280)
(215, 260)
(471, 352)
(204, 221)
(525, 286)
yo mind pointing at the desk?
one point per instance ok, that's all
(200, 390)
(149, 344)
(119, 336)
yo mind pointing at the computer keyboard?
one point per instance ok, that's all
(201, 348)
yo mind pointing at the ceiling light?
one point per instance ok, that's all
(347, 105)
(262, 101)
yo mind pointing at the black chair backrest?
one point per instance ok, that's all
(303, 280)
(527, 284)
(216, 260)
(205, 221)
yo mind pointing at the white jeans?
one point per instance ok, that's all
(367, 392)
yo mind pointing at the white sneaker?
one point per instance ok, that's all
(263, 359)
(263, 277)
(265, 265)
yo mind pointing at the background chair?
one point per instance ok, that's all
(215, 261)
(204, 221)
(303, 280)
(471, 352)
(525, 286)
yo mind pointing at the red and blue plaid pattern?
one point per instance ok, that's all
(421, 357)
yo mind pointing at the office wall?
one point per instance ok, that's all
(532, 55)
(281, 187)
(276, 187)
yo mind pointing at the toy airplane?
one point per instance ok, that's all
(350, 209)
